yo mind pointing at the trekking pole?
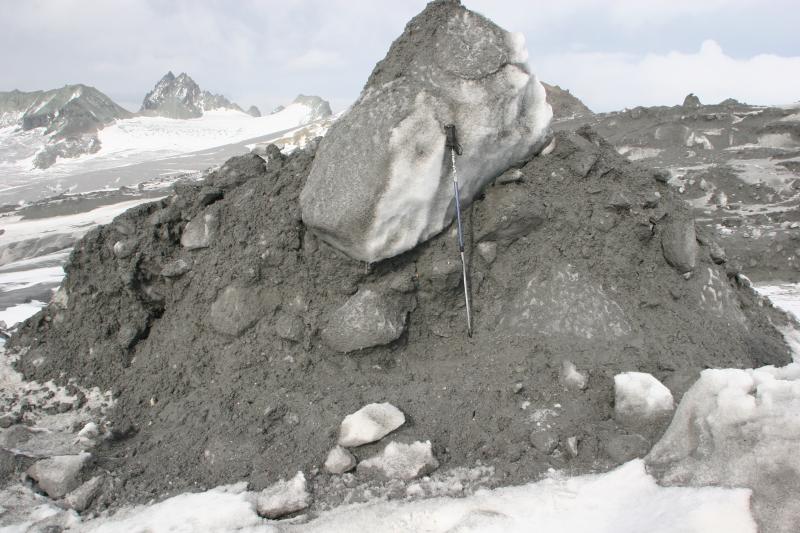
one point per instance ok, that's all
(451, 142)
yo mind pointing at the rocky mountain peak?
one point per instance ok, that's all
(181, 97)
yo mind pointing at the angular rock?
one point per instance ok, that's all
(679, 243)
(544, 441)
(488, 251)
(284, 497)
(289, 327)
(401, 461)
(339, 461)
(369, 424)
(717, 253)
(691, 100)
(237, 308)
(59, 475)
(367, 319)
(640, 397)
(124, 249)
(175, 269)
(199, 232)
(380, 183)
(571, 378)
(81, 498)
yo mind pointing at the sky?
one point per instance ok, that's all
(612, 54)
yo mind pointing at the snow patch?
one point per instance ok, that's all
(640, 396)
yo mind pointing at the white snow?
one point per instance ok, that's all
(637, 153)
(369, 424)
(639, 395)
(784, 295)
(19, 313)
(625, 500)
(402, 461)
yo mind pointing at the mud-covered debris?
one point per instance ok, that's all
(368, 318)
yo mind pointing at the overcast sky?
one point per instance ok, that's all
(612, 54)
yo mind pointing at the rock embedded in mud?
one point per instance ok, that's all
(367, 319)
(369, 424)
(401, 461)
(571, 378)
(679, 243)
(175, 269)
(125, 248)
(289, 327)
(59, 475)
(237, 308)
(200, 231)
(717, 253)
(380, 182)
(544, 441)
(339, 461)
(623, 448)
(283, 498)
(81, 498)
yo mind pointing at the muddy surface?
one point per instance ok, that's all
(214, 349)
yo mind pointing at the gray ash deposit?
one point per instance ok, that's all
(235, 340)
(221, 371)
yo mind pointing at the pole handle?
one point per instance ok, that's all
(451, 141)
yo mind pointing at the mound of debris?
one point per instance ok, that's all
(235, 342)
(239, 345)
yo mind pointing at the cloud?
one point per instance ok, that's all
(610, 81)
(316, 59)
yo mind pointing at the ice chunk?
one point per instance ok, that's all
(370, 423)
(60, 474)
(284, 497)
(380, 183)
(402, 461)
(739, 428)
(639, 396)
(339, 461)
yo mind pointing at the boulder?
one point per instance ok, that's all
(401, 461)
(81, 498)
(381, 183)
(369, 424)
(367, 319)
(679, 243)
(237, 308)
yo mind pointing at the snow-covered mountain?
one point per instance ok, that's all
(68, 119)
(180, 97)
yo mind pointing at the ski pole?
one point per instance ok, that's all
(451, 142)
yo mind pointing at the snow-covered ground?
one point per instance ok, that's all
(139, 139)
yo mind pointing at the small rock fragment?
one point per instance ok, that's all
(544, 441)
(510, 176)
(617, 200)
(572, 446)
(199, 232)
(81, 498)
(58, 475)
(488, 251)
(289, 327)
(339, 461)
(369, 424)
(176, 268)
(401, 461)
(661, 176)
(124, 249)
(571, 378)
(717, 253)
(284, 497)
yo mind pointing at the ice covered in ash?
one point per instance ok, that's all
(739, 428)
(380, 183)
